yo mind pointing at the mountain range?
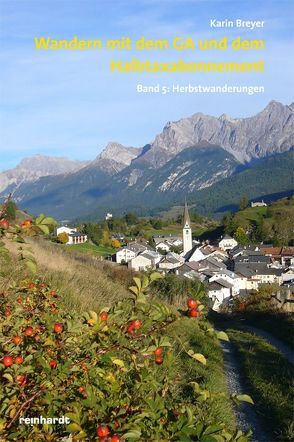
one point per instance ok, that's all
(212, 161)
(32, 168)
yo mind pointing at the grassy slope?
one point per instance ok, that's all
(270, 377)
(250, 214)
(83, 282)
(91, 249)
(279, 324)
(176, 229)
(282, 208)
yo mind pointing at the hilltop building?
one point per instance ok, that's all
(258, 204)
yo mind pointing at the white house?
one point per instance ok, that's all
(154, 256)
(177, 242)
(166, 242)
(236, 281)
(218, 292)
(256, 276)
(74, 237)
(163, 245)
(124, 255)
(171, 261)
(258, 204)
(288, 274)
(227, 243)
(140, 262)
(64, 229)
(129, 252)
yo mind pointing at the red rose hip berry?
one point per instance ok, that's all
(102, 431)
(158, 351)
(193, 313)
(191, 303)
(7, 361)
(4, 224)
(53, 363)
(104, 316)
(21, 380)
(29, 331)
(58, 327)
(18, 360)
(159, 360)
(137, 324)
(16, 340)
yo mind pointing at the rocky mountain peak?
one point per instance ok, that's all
(37, 166)
(50, 165)
(269, 132)
(115, 157)
(117, 152)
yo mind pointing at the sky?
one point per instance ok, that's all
(68, 103)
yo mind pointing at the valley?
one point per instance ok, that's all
(210, 161)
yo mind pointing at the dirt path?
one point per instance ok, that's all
(246, 415)
(275, 342)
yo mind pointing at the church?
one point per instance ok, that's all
(187, 231)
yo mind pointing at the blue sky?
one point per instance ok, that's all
(67, 103)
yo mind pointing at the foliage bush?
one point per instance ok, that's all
(174, 289)
(256, 301)
(63, 237)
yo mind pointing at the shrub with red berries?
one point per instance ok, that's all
(111, 378)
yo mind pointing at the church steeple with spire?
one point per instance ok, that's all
(187, 231)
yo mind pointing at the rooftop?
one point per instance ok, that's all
(186, 217)
(219, 284)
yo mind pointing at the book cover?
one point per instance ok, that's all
(146, 220)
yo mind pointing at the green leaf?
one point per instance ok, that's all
(222, 335)
(208, 439)
(31, 265)
(199, 357)
(118, 362)
(49, 221)
(164, 342)
(212, 429)
(138, 282)
(244, 398)
(145, 282)
(8, 377)
(44, 228)
(72, 428)
(134, 290)
(155, 275)
(141, 298)
(210, 330)
(133, 434)
(73, 417)
(40, 218)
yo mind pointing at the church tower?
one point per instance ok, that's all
(187, 231)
